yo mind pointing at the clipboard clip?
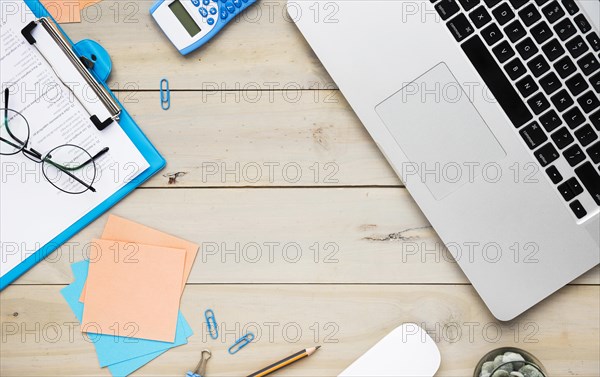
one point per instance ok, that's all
(82, 66)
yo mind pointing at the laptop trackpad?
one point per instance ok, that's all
(441, 133)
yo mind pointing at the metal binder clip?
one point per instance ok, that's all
(165, 94)
(241, 343)
(200, 370)
(211, 323)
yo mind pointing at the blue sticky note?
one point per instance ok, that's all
(125, 368)
(115, 349)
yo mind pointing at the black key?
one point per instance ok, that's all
(515, 69)
(538, 103)
(480, 16)
(595, 119)
(460, 27)
(562, 100)
(503, 13)
(468, 4)
(541, 2)
(554, 174)
(594, 152)
(586, 135)
(529, 15)
(553, 11)
(593, 40)
(588, 102)
(541, 32)
(550, 83)
(518, 3)
(533, 135)
(553, 50)
(527, 86)
(574, 155)
(574, 117)
(582, 23)
(527, 48)
(570, 189)
(562, 138)
(565, 67)
(576, 47)
(538, 66)
(588, 64)
(491, 3)
(503, 51)
(570, 6)
(446, 8)
(564, 29)
(590, 179)
(494, 78)
(515, 31)
(546, 154)
(550, 120)
(577, 84)
(595, 81)
(491, 34)
(577, 209)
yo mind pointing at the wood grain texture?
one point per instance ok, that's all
(326, 247)
(317, 235)
(216, 139)
(262, 48)
(346, 320)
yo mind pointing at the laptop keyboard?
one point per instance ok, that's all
(540, 60)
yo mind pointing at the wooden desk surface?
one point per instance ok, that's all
(307, 235)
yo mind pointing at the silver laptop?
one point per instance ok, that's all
(489, 112)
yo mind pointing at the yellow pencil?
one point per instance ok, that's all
(285, 362)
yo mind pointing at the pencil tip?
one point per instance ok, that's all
(318, 347)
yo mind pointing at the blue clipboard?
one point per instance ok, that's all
(102, 67)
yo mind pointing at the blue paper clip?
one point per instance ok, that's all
(241, 343)
(165, 94)
(211, 323)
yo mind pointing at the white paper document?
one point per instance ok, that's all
(32, 210)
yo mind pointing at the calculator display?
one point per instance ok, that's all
(184, 17)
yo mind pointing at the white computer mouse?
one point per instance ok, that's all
(406, 351)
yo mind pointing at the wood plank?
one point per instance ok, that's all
(562, 332)
(261, 48)
(358, 235)
(231, 139)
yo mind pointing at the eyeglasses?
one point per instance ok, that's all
(67, 167)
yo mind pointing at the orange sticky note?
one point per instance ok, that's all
(120, 229)
(64, 11)
(133, 290)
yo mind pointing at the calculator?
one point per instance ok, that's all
(191, 23)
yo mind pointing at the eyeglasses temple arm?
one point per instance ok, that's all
(89, 187)
(95, 157)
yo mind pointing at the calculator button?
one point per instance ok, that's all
(237, 3)
(206, 2)
(230, 7)
(245, 1)
(223, 13)
(212, 11)
(196, 3)
(203, 12)
(210, 20)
